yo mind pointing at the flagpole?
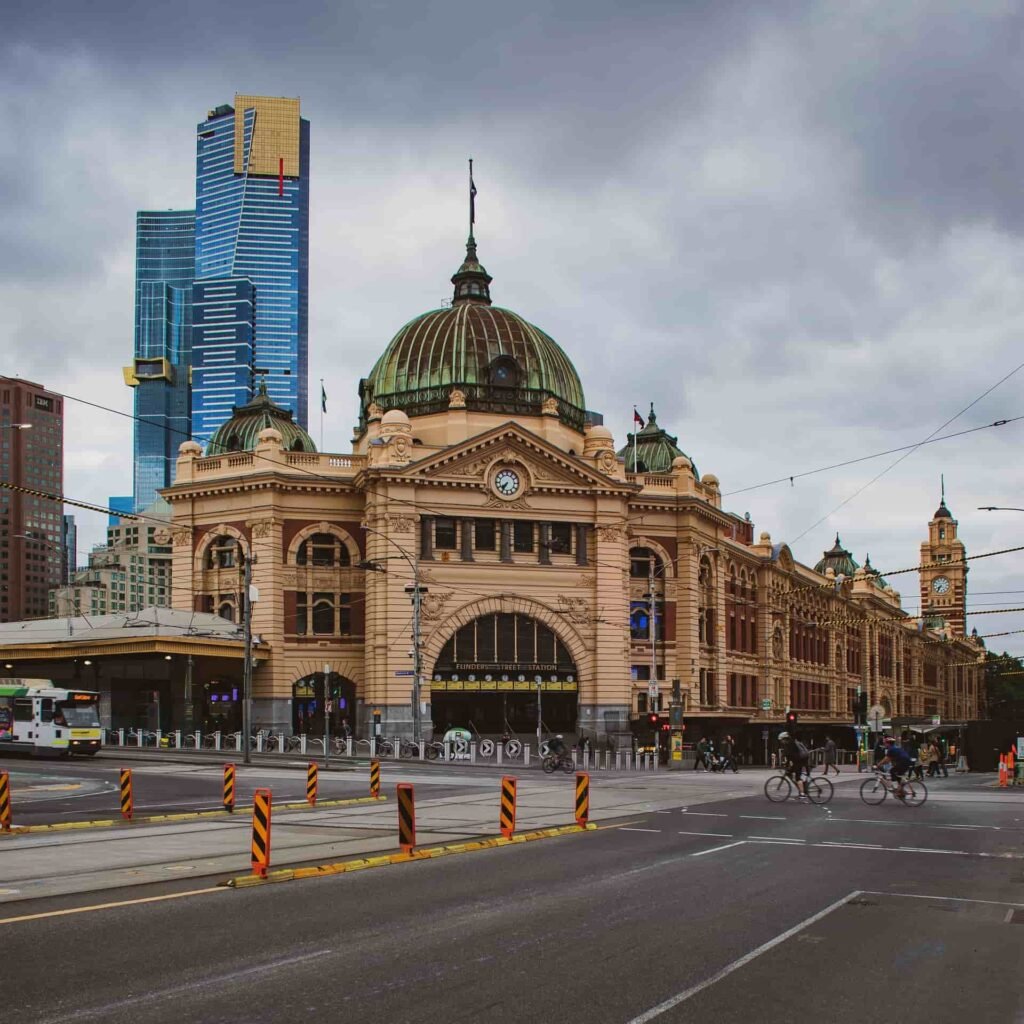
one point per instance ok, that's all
(635, 467)
(321, 414)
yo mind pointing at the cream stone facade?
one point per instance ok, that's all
(477, 473)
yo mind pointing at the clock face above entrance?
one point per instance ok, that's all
(507, 482)
(940, 585)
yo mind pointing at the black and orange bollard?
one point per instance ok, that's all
(312, 783)
(229, 787)
(582, 798)
(375, 778)
(5, 802)
(127, 803)
(507, 818)
(261, 807)
(406, 817)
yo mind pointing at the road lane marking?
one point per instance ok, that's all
(777, 839)
(765, 817)
(174, 990)
(682, 997)
(717, 835)
(625, 829)
(855, 846)
(717, 849)
(109, 906)
(704, 814)
(950, 899)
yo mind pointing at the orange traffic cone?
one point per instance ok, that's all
(1002, 770)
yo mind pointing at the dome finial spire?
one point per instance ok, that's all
(471, 280)
(472, 202)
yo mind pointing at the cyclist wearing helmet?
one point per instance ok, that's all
(556, 747)
(797, 760)
(899, 760)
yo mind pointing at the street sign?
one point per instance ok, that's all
(936, 720)
(405, 672)
(652, 692)
(875, 716)
(766, 704)
(764, 734)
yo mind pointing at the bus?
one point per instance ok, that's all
(39, 717)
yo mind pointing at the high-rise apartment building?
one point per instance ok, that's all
(31, 527)
(130, 572)
(69, 548)
(164, 270)
(251, 259)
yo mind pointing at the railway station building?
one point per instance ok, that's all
(553, 563)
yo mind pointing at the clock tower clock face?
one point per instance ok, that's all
(940, 585)
(507, 482)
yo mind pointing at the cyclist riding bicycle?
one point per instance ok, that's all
(556, 747)
(797, 760)
(898, 760)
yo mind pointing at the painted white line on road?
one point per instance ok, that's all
(855, 846)
(778, 839)
(950, 899)
(110, 906)
(765, 817)
(995, 828)
(624, 829)
(717, 849)
(717, 835)
(928, 849)
(1009, 916)
(705, 814)
(910, 824)
(682, 997)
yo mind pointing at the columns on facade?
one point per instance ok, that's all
(604, 692)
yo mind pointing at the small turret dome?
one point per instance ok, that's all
(654, 450)
(242, 432)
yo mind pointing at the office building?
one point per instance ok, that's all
(164, 269)
(31, 527)
(69, 548)
(251, 259)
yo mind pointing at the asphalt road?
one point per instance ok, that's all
(735, 910)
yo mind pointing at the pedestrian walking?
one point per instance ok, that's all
(727, 751)
(831, 756)
(702, 755)
(933, 760)
(940, 760)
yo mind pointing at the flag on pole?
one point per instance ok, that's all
(637, 418)
(323, 398)
(472, 199)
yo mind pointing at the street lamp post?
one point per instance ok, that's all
(415, 592)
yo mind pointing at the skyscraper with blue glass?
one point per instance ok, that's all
(164, 271)
(251, 259)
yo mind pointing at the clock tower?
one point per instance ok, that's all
(944, 573)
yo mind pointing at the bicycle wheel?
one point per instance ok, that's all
(872, 791)
(914, 793)
(433, 749)
(549, 765)
(819, 790)
(778, 788)
(567, 766)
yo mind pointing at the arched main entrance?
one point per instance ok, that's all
(308, 704)
(492, 671)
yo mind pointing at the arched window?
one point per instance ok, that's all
(297, 445)
(225, 552)
(323, 549)
(226, 610)
(640, 564)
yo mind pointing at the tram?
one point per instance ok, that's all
(38, 717)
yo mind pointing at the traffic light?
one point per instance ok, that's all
(665, 727)
(791, 718)
(652, 719)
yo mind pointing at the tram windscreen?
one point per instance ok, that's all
(79, 714)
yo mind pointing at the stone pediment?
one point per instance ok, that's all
(546, 466)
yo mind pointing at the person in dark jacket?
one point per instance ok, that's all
(727, 750)
(831, 756)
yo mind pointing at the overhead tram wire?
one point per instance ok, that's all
(867, 458)
(907, 454)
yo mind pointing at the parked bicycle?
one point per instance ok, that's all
(781, 787)
(911, 792)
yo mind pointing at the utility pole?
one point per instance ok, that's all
(417, 594)
(327, 716)
(653, 626)
(247, 664)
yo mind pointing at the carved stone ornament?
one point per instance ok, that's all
(777, 643)
(261, 529)
(432, 605)
(374, 412)
(573, 608)
(289, 579)
(606, 462)
(610, 534)
(520, 504)
(401, 448)
(401, 524)
(182, 537)
(549, 407)
(162, 535)
(457, 399)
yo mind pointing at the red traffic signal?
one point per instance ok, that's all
(665, 727)
(652, 718)
(791, 718)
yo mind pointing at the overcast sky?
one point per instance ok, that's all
(797, 228)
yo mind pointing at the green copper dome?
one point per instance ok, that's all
(499, 361)
(655, 449)
(839, 560)
(241, 432)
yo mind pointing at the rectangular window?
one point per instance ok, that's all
(445, 538)
(561, 538)
(641, 673)
(323, 614)
(641, 703)
(484, 535)
(522, 536)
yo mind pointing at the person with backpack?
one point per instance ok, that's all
(797, 760)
